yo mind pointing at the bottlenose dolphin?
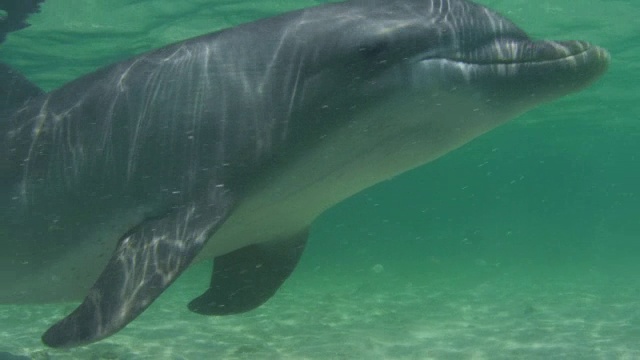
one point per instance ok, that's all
(229, 145)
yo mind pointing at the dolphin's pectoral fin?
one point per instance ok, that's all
(147, 260)
(246, 278)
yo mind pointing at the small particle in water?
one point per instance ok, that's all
(480, 262)
(377, 268)
(529, 309)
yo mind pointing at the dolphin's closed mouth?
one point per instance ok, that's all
(529, 52)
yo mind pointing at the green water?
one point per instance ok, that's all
(524, 244)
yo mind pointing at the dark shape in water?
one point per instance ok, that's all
(17, 12)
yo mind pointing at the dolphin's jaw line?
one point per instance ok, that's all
(531, 76)
(511, 53)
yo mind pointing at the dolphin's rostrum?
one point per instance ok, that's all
(229, 145)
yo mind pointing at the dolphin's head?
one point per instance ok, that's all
(441, 72)
(460, 53)
(469, 46)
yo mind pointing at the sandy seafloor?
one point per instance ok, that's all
(462, 311)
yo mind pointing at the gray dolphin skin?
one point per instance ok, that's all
(228, 146)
